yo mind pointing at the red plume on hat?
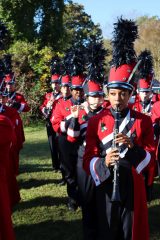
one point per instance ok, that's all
(124, 56)
(145, 71)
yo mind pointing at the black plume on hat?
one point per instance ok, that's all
(75, 58)
(3, 35)
(7, 60)
(146, 65)
(55, 65)
(96, 54)
(124, 34)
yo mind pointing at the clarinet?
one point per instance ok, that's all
(143, 107)
(115, 193)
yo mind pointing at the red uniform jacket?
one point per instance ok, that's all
(48, 97)
(19, 98)
(156, 123)
(61, 116)
(99, 139)
(6, 130)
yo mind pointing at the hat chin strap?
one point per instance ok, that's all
(133, 71)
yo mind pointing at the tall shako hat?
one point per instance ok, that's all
(145, 71)
(55, 70)
(77, 66)
(95, 68)
(9, 77)
(3, 35)
(124, 56)
(65, 79)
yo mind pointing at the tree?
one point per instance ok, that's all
(34, 19)
(78, 26)
(149, 38)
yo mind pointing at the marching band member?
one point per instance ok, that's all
(76, 132)
(145, 105)
(6, 138)
(120, 139)
(49, 102)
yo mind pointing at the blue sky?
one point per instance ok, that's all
(106, 12)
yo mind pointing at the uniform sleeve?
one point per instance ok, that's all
(23, 107)
(73, 131)
(59, 122)
(146, 148)
(93, 163)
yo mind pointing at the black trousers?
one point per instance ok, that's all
(53, 145)
(114, 219)
(68, 152)
(86, 193)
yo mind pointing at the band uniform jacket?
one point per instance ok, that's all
(6, 137)
(99, 138)
(61, 116)
(155, 116)
(47, 112)
(17, 98)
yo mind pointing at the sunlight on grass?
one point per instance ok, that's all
(42, 213)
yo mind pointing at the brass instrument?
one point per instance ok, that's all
(115, 193)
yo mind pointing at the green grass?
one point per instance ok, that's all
(42, 213)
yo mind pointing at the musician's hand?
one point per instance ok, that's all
(112, 157)
(49, 104)
(16, 105)
(75, 111)
(148, 114)
(124, 139)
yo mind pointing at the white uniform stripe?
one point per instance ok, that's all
(143, 163)
(93, 171)
(21, 107)
(121, 128)
(68, 117)
(84, 125)
(72, 133)
(62, 126)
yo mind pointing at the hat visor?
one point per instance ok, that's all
(144, 89)
(92, 94)
(123, 85)
(76, 87)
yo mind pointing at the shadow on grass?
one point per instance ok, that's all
(32, 149)
(41, 201)
(154, 222)
(156, 190)
(50, 230)
(36, 183)
(29, 168)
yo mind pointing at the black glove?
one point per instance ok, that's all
(16, 105)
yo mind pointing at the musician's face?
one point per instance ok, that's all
(95, 101)
(119, 97)
(4, 100)
(144, 95)
(55, 87)
(10, 87)
(77, 93)
(65, 90)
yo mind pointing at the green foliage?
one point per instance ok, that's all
(32, 71)
(78, 25)
(149, 38)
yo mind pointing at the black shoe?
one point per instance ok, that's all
(55, 170)
(72, 205)
(62, 182)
